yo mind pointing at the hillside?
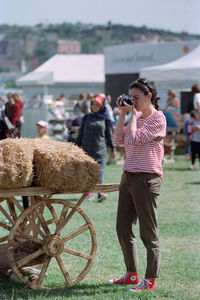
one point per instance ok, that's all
(40, 41)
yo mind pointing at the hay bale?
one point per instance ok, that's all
(64, 166)
(16, 157)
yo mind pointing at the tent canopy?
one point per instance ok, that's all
(64, 68)
(186, 68)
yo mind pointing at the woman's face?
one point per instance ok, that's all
(95, 106)
(140, 100)
(170, 95)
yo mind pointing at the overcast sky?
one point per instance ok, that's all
(175, 15)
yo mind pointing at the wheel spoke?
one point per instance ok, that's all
(5, 226)
(17, 204)
(7, 215)
(73, 210)
(76, 253)
(11, 208)
(64, 271)
(35, 228)
(3, 239)
(22, 236)
(43, 223)
(53, 212)
(22, 262)
(43, 271)
(61, 222)
(76, 232)
(2, 199)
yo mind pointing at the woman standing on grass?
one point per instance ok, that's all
(95, 136)
(141, 181)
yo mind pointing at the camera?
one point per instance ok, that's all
(127, 99)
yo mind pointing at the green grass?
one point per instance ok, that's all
(179, 226)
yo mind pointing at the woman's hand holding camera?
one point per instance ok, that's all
(124, 107)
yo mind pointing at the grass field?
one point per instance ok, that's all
(179, 226)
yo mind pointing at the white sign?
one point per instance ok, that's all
(130, 58)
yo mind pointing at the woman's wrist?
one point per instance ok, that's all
(123, 113)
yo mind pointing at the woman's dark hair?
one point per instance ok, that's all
(146, 87)
(13, 133)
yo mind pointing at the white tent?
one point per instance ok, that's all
(68, 69)
(69, 74)
(179, 74)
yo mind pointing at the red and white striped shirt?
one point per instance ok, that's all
(143, 153)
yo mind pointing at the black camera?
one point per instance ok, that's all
(127, 99)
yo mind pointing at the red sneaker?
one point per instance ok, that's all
(127, 278)
(146, 284)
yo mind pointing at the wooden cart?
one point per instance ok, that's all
(46, 236)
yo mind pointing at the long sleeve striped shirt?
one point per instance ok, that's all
(143, 153)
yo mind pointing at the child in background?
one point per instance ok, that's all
(42, 128)
(14, 133)
(194, 131)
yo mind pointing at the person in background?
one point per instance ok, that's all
(172, 101)
(141, 181)
(73, 126)
(109, 99)
(14, 133)
(61, 97)
(86, 107)
(77, 107)
(42, 128)
(188, 120)
(16, 111)
(194, 131)
(95, 136)
(2, 101)
(90, 96)
(196, 96)
(9, 105)
(2, 114)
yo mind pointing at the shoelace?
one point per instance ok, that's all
(143, 284)
(123, 278)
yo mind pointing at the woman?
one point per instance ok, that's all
(172, 101)
(16, 111)
(141, 181)
(95, 136)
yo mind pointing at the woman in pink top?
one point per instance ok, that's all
(141, 181)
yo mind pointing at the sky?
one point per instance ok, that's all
(174, 15)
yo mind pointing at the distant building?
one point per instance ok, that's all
(51, 37)
(69, 47)
(30, 45)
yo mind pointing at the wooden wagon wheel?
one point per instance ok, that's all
(64, 246)
(10, 209)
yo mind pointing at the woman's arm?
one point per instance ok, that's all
(80, 133)
(108, 135)
(156, 127)
(120, 122)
